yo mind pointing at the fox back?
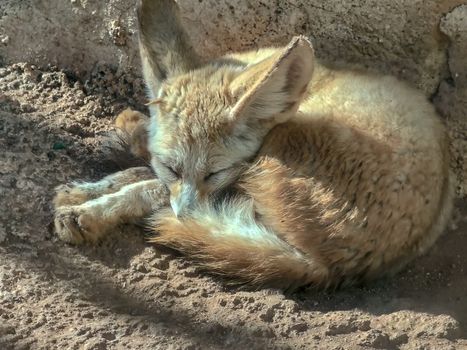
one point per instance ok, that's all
(283, 170)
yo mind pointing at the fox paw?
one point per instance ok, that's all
(129, 120)
(75, 225)
(68, 194)
(134, 124)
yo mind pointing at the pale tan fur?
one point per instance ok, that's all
(279, 169)
(134, 125)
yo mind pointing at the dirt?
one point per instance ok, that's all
(125, 293)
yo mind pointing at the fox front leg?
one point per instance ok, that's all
(91, 220)
(77, 193)
(133, 126)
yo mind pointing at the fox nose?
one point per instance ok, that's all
(182, 200)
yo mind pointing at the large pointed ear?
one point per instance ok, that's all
(164, 45)
(274, 87)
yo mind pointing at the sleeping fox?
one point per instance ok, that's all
(269, 167)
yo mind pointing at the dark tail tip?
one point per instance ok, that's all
(116, 146)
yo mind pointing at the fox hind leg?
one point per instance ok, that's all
(133, 126)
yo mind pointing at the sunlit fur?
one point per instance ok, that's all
(291, 172)
(356, 179)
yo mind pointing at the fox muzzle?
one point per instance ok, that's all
(183, 196)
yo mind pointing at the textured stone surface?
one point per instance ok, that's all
(401, 37)
(451, 98)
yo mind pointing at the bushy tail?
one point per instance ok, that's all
(227, 240)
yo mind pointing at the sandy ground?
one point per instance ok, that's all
(127, 294)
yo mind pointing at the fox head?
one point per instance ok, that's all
(210, 118)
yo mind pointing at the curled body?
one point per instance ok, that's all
(279, 170)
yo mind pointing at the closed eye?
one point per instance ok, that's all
(212, 175)
(172, 171)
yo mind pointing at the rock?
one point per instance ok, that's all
(2, 234)
(399, 36)
(375, 339)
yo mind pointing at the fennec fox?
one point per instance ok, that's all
(270, 167)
